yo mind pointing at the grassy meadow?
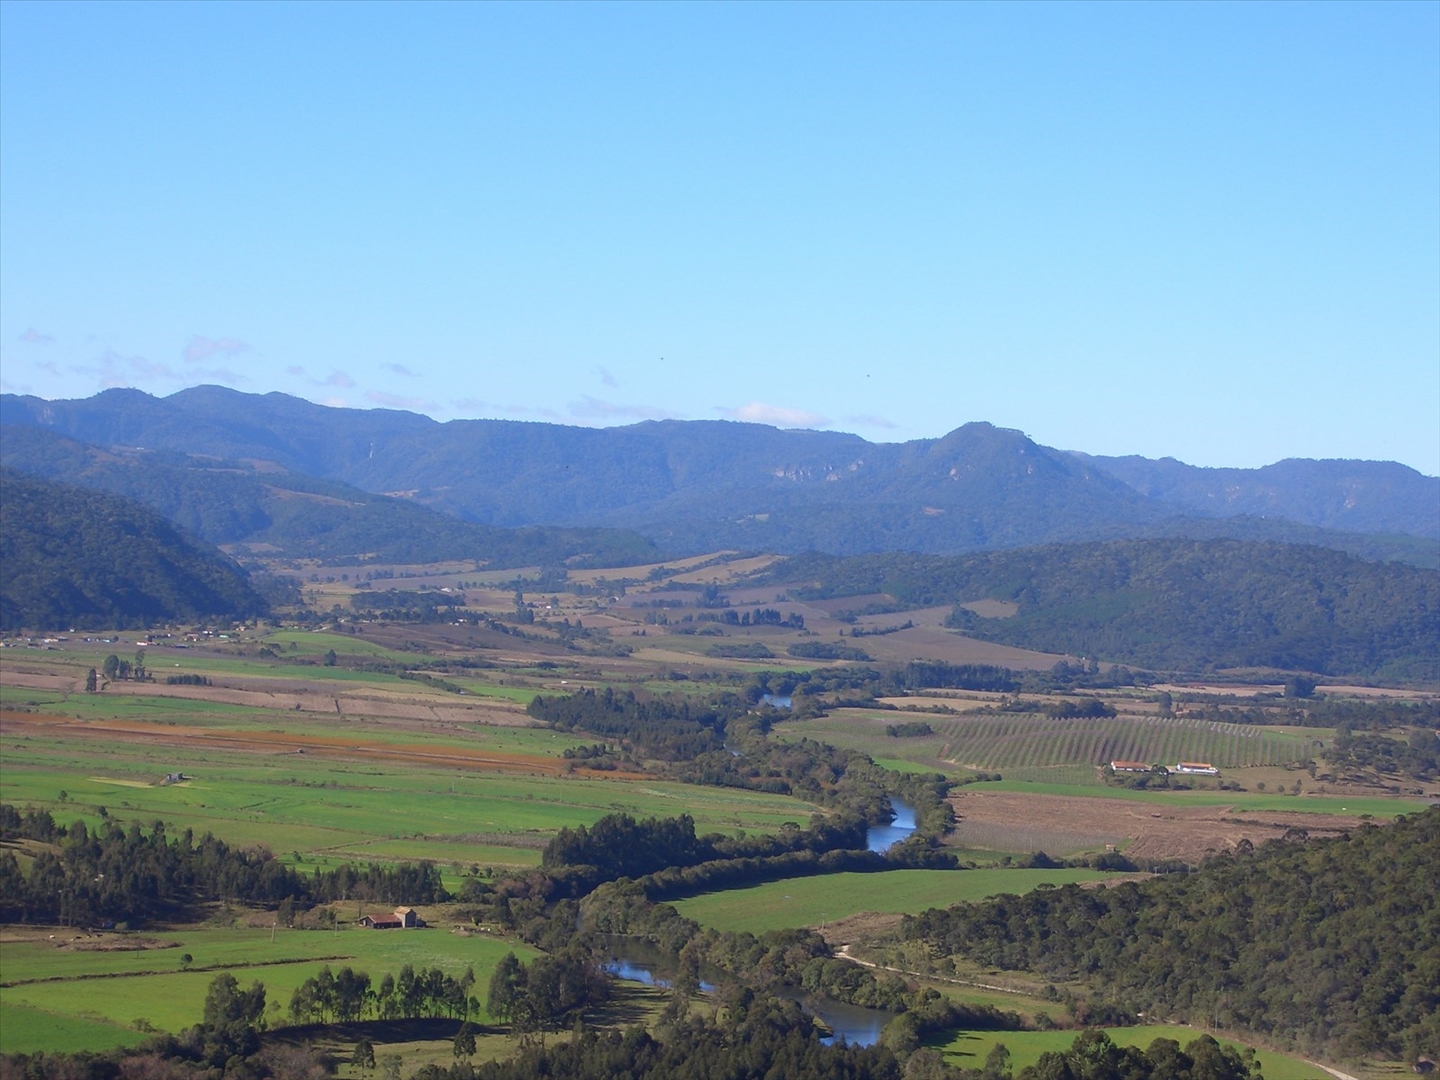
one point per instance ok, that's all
(814, 901)
(93, 994)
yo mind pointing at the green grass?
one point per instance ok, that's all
(968, 1049)
(312, 804)
(117, 988)
(24, 1030)
(815, 900)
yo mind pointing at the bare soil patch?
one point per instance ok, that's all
(936, 644)
(1005, 820)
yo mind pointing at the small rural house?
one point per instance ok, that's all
(1129, 766)
(403, 918)
(1197, 768)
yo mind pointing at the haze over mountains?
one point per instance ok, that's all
(698, 485)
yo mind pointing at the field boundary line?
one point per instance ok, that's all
(171, 971)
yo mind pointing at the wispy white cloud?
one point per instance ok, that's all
(395, 401)
(203, 348)
(112, 369)
(296, 370)
(340, 379)
(608, 379)
(870, 420)
(31, 336)
(48, 366)
(401, 370)
(758, 412)
(589, 408)
(335, 402)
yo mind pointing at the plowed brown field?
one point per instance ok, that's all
(1058, 824)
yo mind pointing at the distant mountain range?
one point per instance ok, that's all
(698, 485)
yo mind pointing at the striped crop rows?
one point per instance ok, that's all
(1027, 741)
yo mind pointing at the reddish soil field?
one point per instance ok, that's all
(1061, 823)
(279, 742)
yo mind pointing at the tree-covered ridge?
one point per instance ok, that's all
(1169, 604)
(266, 507)
(695, 486)
(76, 558)
(1332, 945)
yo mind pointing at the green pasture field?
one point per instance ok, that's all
(317, 643)
(117, 988)
(813, 901)
(312, 804)
(24, 1030)
(968, 1049)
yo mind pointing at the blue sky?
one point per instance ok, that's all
(1210, 231)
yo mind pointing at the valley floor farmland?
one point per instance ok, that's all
(412, 742)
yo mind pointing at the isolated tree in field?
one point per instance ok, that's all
(330, 658)
(364, 1056)
(91, 681)
(111, 667)
(464, 1043)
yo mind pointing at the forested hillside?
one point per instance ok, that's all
(75, 558)
(1332, 946)
(244, 502)
(697, 485)
(1171, 604)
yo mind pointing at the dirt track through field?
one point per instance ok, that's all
(1058, 824)
(280, 742)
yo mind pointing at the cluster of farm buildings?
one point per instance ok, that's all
(402, 918)
(1188, 768)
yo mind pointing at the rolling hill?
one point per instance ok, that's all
(269, 509)
(76, 558)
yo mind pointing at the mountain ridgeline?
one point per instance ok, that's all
(76, 558)
(276, 511)
(690, 486)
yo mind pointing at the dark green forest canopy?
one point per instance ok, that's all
(76, 558)
(1168, 604)
(1332, 946)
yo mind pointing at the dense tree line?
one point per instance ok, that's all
(549, 993)
(1332, 945)
(668, 728)
(76, 558)
(126, 874)
(346, 995)
(1168, 604)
